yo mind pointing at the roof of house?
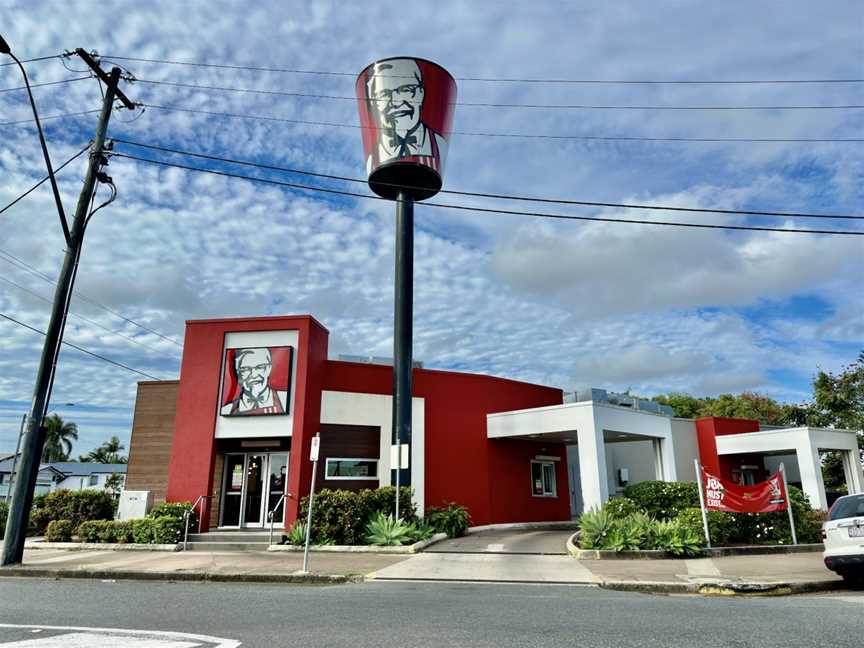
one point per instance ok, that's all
(70, 468)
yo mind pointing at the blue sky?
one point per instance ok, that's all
(567, 304)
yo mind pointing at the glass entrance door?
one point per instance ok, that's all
(253, 498)
(253, 485)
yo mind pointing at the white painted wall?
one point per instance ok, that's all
(352, 408)
(276, 425)
(686, 445)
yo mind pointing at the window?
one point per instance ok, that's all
(347, 468)
(94, 480)
(847, 507)
(543, 479)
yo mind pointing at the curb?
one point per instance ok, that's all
(295, 579)
(724, 588)
(417, 547)
(103, 546)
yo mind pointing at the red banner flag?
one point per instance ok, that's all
(765, 497)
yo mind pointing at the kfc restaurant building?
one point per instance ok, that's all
(237, 427)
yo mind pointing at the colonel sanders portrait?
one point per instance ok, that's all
(395, 93)
(252, 369)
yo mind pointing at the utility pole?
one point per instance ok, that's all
(34, 436)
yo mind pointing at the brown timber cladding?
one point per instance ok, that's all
(347, 442)
(152, 434)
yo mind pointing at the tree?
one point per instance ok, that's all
(685, 405)
(107, 453)
(58, 438)
(115, 483)
(838, 401)
(748, 405)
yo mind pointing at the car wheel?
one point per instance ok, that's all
(854, 579)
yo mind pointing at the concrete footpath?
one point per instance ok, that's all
(780, 574)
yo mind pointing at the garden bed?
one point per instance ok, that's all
(104, 546)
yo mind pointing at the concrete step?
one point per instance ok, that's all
(235, 536)
(227, 546)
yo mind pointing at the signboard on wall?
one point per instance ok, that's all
(256, 381)
(765, 497)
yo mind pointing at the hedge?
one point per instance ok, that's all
(340, 516)
(72, 506)
(663, 500)
(59, 531)
(113, 531)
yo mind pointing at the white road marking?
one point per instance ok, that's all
(78, 637)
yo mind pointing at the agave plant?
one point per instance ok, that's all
(420, 531)
(677, 539)
(387, 530)
(594, 526)
(296, 534)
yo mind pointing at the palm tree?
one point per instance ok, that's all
(108, 452)
(58, 438)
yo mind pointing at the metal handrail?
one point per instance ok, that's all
(270, 516)
(188, 514)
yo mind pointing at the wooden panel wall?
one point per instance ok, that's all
(152, 434)
(347, 441)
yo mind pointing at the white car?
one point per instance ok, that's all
(843, 535)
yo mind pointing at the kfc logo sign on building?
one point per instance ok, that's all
(256, 381)
(406, 113)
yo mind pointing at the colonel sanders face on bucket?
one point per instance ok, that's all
(395, 92)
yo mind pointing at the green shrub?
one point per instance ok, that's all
(4, 514)
(663, 500)
(723, 526)
(59, 531)
(621, 507)
(296, 534)
(626, 534)
(387, 530)
(167, 529)
(143, 531)
(341, 515)
(109, 531)
(420, 531)
(75, 506)
(595, 525)
(92, 530)
(453, 519)
(673, 537)
(175, 509)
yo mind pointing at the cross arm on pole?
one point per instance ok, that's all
(93, 65)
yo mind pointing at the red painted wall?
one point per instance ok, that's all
(491, 478)
(708, 428)
(190, 473)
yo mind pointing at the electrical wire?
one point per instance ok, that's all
(35, 294)
(63, 116)
(45, 179)
(47, 83)
(12, 259)
(82, 349)
(250, 68)
(307, 95)
(35, 60)
(500, 211)
(557, 201)
(616, 138)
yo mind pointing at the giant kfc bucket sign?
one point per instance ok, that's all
(406, 114)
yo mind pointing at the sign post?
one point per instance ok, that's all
(702, 502)
(406, 114)
(313, 457)
(789, 505)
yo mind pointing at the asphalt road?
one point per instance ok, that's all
(410, 614)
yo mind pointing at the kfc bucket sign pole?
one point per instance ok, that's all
(406, 113)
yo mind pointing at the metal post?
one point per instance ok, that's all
(702, 502)
(34, 436)
(789, 505)
(309, 516)
(15, 459)
(403, 335)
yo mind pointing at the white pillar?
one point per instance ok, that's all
(810, 468)
(592, 465)
(852, 471)
(658, 460)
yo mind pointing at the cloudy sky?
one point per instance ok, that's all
(563, 303)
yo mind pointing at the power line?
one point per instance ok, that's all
(48, 83)
(308, 95)
(62, 116)
(558, 201)
(499, 211)
(251, 68)
(82, 349)
(81, 317)
(45, 179)
(616, 138)
(10, 258)
(35, 60)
